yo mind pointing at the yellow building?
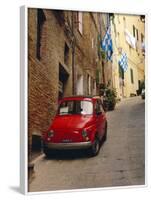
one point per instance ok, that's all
(128, 35)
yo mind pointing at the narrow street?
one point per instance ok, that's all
(121, 161)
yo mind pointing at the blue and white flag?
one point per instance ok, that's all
(123, 62)
(106, 44)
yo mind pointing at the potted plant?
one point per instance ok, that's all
(111, 98)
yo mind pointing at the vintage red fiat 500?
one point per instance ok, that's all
(80, 123)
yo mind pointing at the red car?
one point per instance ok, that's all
(80, 123)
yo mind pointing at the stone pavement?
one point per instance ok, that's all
(121, 161)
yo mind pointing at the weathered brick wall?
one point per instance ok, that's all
(43, 75)
(40, 90)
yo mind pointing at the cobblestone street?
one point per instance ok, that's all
(121, 161)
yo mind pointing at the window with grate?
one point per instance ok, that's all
(40, 22)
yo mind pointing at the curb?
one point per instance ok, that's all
(37, 159)
(31, 167)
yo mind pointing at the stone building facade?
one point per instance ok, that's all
(128, 33)
(63, 60)
(107, 78)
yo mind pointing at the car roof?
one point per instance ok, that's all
(80, 97)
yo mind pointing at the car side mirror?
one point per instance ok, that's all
(98, 113)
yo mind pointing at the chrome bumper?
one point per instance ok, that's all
(74, 145)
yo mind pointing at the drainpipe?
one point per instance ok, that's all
(73, 58)
(103, 72)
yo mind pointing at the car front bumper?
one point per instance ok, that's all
(63, 146)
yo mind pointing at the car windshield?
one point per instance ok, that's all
(75, 107)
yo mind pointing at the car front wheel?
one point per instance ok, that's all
(95, 147)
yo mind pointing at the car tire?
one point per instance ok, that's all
(95, 147)
(46, 152)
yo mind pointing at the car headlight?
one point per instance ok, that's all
(84, 133)
(51, 133)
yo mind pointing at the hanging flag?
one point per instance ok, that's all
(106, 44)
(130, 39)
(123, 62)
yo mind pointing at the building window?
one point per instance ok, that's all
(40, 22)
(92, 43)
(80, 22)
(94, 84)
(142, 38)
(132, 77)
(142, 44)
(124, 22)
(133, 30)
(63, 78)
(121, 72)
(88, 84)
(66, 54)
(137, 34)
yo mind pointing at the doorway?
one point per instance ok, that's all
(63, 77)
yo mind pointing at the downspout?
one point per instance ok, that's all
(103, 73)
(73, 57)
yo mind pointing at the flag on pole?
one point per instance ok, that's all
(123, 62)
(106, 44)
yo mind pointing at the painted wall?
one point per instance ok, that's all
(120, 25)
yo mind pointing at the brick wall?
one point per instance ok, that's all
(44, 72)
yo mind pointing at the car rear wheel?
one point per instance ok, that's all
(95, 147)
